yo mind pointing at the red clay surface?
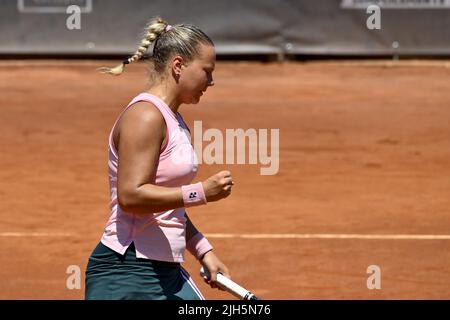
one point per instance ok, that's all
(364, 149)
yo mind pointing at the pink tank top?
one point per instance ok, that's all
(156, 235)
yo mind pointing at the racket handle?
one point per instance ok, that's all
(230, 286)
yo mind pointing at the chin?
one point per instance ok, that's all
(195, 100)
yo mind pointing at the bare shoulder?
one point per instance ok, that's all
(141, 136)
(143, 113)
(142, 121)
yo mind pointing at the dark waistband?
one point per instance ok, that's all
(102, 252)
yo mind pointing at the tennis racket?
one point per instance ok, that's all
(230, 286)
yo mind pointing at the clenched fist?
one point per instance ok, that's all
(218, 186)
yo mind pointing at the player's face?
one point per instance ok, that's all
(196, 75)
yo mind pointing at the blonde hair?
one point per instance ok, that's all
(182, 39)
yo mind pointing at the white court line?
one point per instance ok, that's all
(270, 236)
(34, 234)
(330, 236)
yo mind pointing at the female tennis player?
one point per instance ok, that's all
(151, 167)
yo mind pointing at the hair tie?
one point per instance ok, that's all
(168, 27)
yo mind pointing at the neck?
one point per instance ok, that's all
(166, 92)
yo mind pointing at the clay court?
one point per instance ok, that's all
(364, 176)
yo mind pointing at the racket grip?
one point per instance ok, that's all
(230, 286)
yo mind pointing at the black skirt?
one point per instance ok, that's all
(112, 276)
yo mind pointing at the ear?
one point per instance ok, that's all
(177, 63)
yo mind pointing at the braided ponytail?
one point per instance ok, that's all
(182, 39)
(153, 30)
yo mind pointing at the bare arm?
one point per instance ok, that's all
(142, 132)
(141, 135)
(209, 260)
